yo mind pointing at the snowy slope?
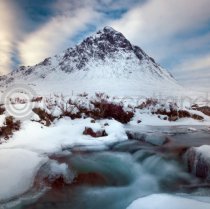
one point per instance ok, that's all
(105, 62)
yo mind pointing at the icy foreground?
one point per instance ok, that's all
(23, 155)
(164, 201)
(39, 138)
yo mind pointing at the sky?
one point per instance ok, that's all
(176, 33)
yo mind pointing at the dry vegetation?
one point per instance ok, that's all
(10, 125)
(171, 112)
(44, 116)
(2, 109)
(97, 108)
(204, 109)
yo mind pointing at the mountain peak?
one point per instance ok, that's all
(110, 29)
(111, 35)
(106, 41)
(105, 55)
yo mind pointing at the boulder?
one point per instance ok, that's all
(135, 135)
(198, 161)
(95, 134)
(156, 139)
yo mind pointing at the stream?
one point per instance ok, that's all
(114, 178)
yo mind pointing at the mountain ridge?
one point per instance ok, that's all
(104, 56)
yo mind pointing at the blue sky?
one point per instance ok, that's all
(175, 32)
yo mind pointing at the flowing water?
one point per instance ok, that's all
(114, 178)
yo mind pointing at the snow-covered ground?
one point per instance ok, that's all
(153, 120)
(65, 133)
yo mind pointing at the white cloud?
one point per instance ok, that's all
(52, 36)
(194, 65)
(68, 19)
(9, 34)
(157, 21)
(194, 72)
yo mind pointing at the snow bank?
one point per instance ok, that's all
(164, 201)
(18, 168)
(65, 133)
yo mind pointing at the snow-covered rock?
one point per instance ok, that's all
(156, 139)
(56, 170)
(35, 117)
(18, 168)
(192, 129)
(164, 201)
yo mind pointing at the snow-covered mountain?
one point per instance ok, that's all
(104, 62)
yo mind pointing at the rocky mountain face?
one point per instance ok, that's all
(102, 57)
(105, 43)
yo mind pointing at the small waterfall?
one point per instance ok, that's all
(106, 179)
